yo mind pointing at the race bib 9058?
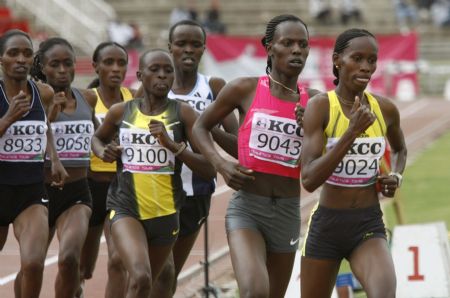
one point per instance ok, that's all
(73, 139)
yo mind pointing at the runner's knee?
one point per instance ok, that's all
(167, 275)
(140, 278)
(68, 261)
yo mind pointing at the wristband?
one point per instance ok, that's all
(180, 150)
(398, 176)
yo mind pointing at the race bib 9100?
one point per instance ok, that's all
(142, 153)
(73, 139)
(360, 165)
(24, 141)
(275, 139)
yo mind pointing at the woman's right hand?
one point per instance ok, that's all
(58, 105)
(60, 99)
(111, 152)
(361, 117)
(235, 175)
(18, 107)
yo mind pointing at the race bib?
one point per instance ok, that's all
(73, 139)
(143, 154)
(360, 165)
(275, 139)
(24, 141)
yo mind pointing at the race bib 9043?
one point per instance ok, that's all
(142, 153)
(275, 139)
(24, 141)
(73, 139)
(360, 165)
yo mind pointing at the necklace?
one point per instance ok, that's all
(284, 86)
(346, 102)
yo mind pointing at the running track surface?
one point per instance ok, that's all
(422, 121)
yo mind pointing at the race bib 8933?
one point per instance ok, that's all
(24, 141)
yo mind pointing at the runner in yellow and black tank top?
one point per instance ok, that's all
(149, 182)
(145, 195)
(345, 134)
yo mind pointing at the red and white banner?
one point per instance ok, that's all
(230, 57)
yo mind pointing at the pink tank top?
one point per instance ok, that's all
(270, 141)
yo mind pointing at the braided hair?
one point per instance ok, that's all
(186, 22)
(96, 57)
(36, 69)
(8, 34)
(342, 42)
(270, 32)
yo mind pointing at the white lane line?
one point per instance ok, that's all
(426, 130)
(413, 108)
(222, 189)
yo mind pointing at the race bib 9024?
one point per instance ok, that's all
(360, 165)
(275, 139)
(24, 141)
(142, 153)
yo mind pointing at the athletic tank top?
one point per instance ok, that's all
(361, 164)
(148, 180)
(22, 146)
(269, 139)
(199, 98)
(73, 133)
(98, 165)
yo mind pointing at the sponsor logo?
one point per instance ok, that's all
(293, 242)
(44, 200)
(368, 235)
(365, 149)
(201, 220)
(175, 232)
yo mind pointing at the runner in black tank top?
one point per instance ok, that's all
(148, 180)
(72, 120)
(23, 129)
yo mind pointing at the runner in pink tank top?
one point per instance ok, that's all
(269, 139)
(263, 217)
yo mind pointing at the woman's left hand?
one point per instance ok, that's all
(388, 185)
(158, 130)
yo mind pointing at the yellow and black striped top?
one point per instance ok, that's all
(148, 183)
